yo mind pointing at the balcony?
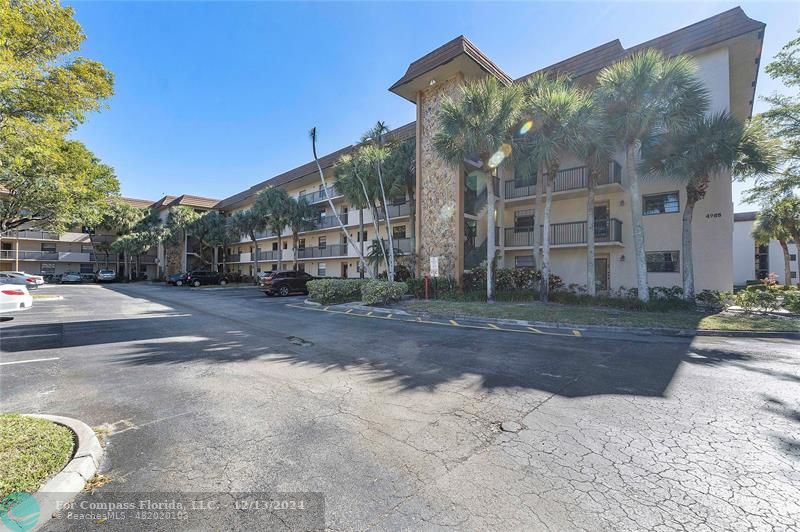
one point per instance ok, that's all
(474, 202)
(567, 234)
(395, 210)
(405, 245)
(36, 234)
(270, 254)
(331, 250)
(319, 195)
(567, 179)
(329, 220)
(55, 256)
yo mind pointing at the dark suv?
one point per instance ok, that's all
(284, 282)
(198, 277)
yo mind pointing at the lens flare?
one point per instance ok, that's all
(498, 156)
(526, 127)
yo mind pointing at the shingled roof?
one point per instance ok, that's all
(326, 161)
(446, 53)
(194, 201)
(744, 216)
(138, 203)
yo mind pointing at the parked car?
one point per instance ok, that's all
(14, 297)
(71, 277)
(284, 282)
(103, 276)
(177, 279)
(200, 277)
(11, 278)
(38, 278)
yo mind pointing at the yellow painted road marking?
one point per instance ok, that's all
(389, 316)
(326, 308)
(369, 313)
(349, 311)
(454, 322)
(576, 333)
(537, 331)
(493, 326)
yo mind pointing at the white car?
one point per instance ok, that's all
(106, 275)
(38, 278)
(9, 278)
(14, 297)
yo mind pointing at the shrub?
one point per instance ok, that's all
(751, 300)
(525, 278)
(770, 280)
(374, 292)
(714, 299)
(327, 291)
(662, 292)
(791, 301)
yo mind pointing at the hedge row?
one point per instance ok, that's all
(368, 291)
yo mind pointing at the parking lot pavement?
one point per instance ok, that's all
(399, 424)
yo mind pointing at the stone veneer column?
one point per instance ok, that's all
(440, 212)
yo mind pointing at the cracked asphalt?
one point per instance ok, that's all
(397, 424)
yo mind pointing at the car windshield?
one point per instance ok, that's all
(106, 271)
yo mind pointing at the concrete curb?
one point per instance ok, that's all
(64, 486)
(641, 331)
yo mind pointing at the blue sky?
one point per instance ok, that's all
(214, 97)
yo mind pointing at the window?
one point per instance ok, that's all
(323, 242)
(48, 269)
(524, 219)
(321, 269)
(523, 261)
(399, 231)
(793, 257)
(86, 248)
(274, 246)
(274, 267)
(665, 203)
(301, 267)
(662, 261)
(285, 245)
(301, 243)
(87, 268)
(762, 261)
(360, 237)
(48, 247)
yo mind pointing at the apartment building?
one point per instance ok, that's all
(48, 253)
(753, 261)
(449, 202)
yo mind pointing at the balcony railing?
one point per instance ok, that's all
(568, 233)
(329, 220)
(331, 250)
(62, 256)
(319, 195)
(395, 210)
(403, 244)
(567, 179)
(32, 234)
(269, 254)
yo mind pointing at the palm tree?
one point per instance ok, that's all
(596, 149)
(641, 94)
(477, 125)
(179, 220)
(375, 151)
(709, 146)
(274, 204)
(350, 176)
(119, 218)
(558, 110)
(789, 208)
(300, 217)
(313, 136)
(771, 225)
(211, 230)
(249, 222)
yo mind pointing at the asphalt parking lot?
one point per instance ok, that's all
(397, 424)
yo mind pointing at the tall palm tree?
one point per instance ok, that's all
(300, 217)
(350, 176)
(709, 146)
(477, 126)
(558, 110)
(596, 148)
(789, 208)
(273, 203)
(375, 151)
(643, 93)
(401, 178)
(313, 136)
(249, 222)
(771, 225)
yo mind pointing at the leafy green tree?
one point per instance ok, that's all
(772, 224)
(476, 126)
(401, 177)
(642, 94)
(375, 151)
(558, 110)
(300, 217)
(710, 146)
(249, 222)
(180, 219)
(45, 90)
(273, 203)
(219, 235)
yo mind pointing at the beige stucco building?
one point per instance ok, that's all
(449, 205)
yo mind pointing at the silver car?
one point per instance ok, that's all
(71, 277)
(11, 278)
(106, 276)
(28, 276)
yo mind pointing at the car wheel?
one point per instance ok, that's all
(223, 282)
(196, 284)
(178, 283)
(283, 291)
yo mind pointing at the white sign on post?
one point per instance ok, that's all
(434, 266)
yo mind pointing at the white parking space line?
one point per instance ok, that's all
(28, 361)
